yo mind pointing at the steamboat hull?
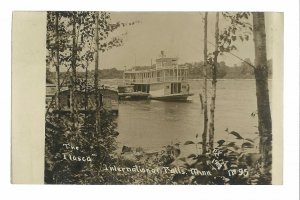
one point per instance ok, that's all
(175, 97)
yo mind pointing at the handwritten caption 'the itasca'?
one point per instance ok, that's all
(74, 154)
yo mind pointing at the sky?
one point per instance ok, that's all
(178, 34)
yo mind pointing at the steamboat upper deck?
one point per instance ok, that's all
(166, 70)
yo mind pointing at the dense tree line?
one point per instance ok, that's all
(241, 71)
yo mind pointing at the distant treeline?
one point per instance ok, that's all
(104, 74)
(242, 71)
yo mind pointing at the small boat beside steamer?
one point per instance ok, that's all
(166, 82)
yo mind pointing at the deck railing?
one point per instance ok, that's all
(156, 79)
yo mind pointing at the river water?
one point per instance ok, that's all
(152, 124)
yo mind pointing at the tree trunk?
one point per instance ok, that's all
(262, 91)
(214, 86)
(97, 96)
(57, 62)
(85, 87)
(73, 66)
(204, 134)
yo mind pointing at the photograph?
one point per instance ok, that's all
(162, 98)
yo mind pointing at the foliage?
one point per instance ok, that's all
(229, 163)
(79, 27)
(240, 28)
(60, 132)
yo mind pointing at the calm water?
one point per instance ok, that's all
(152, 124)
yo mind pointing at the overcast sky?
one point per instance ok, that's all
(179, 34)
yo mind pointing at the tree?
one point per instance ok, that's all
(98, 117)
(261, 77)
(262, 91)
(204, 134)
(73, 67)
(223, 43)
(55, 45)
(214, 86)
(57, 61)
(103, 43)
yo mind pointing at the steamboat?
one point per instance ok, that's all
(167, 81)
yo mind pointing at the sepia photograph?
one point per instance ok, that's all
(149, 99)
(162, 98)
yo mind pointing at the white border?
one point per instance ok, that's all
(289, 190)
